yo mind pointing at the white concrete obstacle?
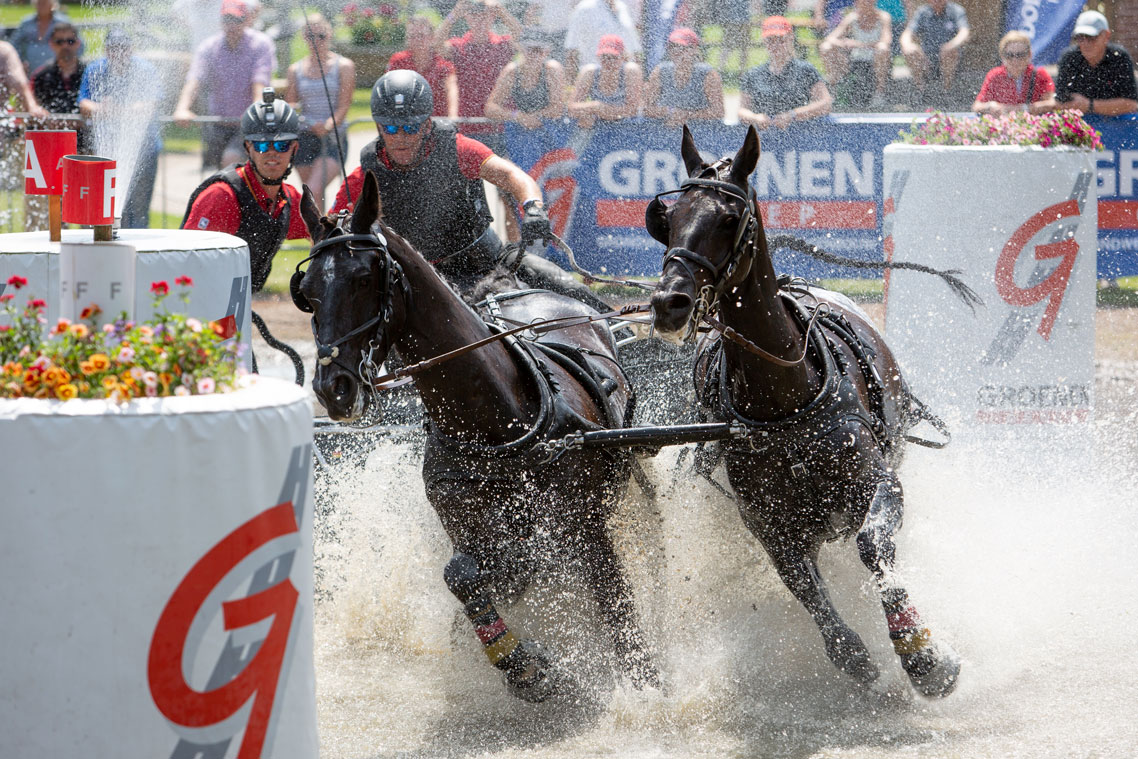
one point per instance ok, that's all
(1020, 223)
(157, 565)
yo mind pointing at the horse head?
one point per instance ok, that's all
(712, 229)
(355, 292)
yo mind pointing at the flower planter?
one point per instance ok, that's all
(1021, 223)
(157, 559)
(218, 264)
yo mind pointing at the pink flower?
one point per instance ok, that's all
(206, 385)
(6, 297)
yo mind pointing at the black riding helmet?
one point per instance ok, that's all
(271, 119)
(401, 97)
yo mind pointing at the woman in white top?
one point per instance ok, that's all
(864, 36)
(318, 157)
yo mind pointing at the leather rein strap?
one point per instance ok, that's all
(389, 381)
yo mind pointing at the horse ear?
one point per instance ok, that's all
(310, 212)
(690, 153)
(746, 159)
(367, 209)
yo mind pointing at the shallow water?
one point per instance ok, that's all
(1018, 554)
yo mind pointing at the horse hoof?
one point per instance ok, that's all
(532, 678)
(850, 655)
(934, 671)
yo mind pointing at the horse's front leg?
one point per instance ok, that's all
(933, 667)
(528, 670)
(798, 568)
(616, 605)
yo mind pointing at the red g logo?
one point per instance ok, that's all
(554, 174)
(264, 545)
(1054, 286)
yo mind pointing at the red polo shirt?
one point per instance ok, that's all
(478, 64)
(217, 210)
(471, 155)
(436, 76)
(999, 87)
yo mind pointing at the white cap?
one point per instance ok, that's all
(1091, 23)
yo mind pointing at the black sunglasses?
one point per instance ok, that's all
(281, 146)
(1017, 54)
(68, 41)
(312, 37)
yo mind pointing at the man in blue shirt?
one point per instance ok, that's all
(931, 45)
(120, 93)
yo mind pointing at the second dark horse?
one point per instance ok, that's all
(506, 508)
(821, 398)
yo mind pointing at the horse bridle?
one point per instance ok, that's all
(329, 353)
(745, 238)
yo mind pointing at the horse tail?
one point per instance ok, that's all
(950, 276)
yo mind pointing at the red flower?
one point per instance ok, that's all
(90, 312)
(160, 288)
(184, 281)
(6, 297)
(37, 303)
(17, 281)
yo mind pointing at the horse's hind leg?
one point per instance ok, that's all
(528, 671)
(933, 667)
(614, 598)
(799, 571)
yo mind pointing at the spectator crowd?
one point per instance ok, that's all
(584, 60)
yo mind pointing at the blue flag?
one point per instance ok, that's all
(659, 16)
(1048, 23)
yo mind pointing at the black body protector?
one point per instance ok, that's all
(258, 228)
(437, 209)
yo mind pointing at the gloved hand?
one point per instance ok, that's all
(535, 225)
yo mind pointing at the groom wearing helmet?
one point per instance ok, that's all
(251, 200)
(430, 184)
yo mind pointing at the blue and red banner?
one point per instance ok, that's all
(820, 181)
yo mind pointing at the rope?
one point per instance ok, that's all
(950, 276)
(284, 348)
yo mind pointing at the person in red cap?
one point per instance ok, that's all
(785, 89)
(610, 90)
(684, 88)
(233, 67)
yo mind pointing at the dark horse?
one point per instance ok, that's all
(821, 398)
(505, 507)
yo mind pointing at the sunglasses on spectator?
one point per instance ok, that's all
(280, 146)
(1016, 54)
(1085, 38)
(318, 36)
(407, 128)
(66, 41)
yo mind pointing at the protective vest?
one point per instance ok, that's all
(432, 205)
(258, 228)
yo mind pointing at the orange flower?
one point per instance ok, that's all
(66, 391)
(52, 376)
(61, 326)
(87, 367)
(80, 330)
(100, 361)
(110, 383)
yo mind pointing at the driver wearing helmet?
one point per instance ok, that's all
(251, 200)
(430, 184)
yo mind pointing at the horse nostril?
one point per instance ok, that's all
(671, 304)
(342, 388)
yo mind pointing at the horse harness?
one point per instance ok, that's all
(448, 459)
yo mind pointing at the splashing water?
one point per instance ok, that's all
(1029, 577)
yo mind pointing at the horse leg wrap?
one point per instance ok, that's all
(464, 579)
(875, 537)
